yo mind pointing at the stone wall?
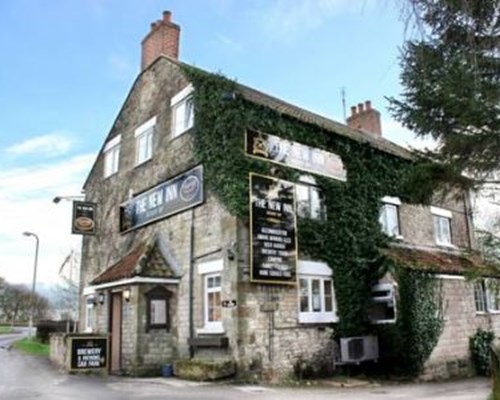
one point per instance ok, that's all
(417, 226)
(451, 356)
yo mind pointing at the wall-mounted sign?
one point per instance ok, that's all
(83, 221)
(89, 352)
(296, 155)
(273, 231)
(170, 197)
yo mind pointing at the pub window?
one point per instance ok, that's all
(389, 216)
(182, 111)
(212, 293)
(310, 199)
(112, 156)
(157, 301)
(316, 293)
(442, 226)
(486, 296)
(89, 313)
(144, 141)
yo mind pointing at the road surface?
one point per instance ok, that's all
(28, 377)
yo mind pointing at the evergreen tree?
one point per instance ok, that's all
(451, 87)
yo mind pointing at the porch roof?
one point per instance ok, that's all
(144, 260)
(442, 262)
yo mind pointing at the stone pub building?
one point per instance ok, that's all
(232, 226)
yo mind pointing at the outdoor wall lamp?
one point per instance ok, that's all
(126, 295)
(101, 298)
(57, 199)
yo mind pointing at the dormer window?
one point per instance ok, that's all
(310, 199)
(442, 226)
(182, 111)
(112, 156)
(389, 216)
(144, 141)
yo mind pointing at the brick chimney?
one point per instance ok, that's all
(366, 119)
(162, 39)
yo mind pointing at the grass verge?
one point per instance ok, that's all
(33, 347)
(5, 329)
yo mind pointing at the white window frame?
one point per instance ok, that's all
(319, 271)
(384, 293)
(89, 315)
(484, 296)
(441, 216)
(308, 192)
(144, 141)
(207, 270)
(178, 105)
(394, 204)
(112, 156)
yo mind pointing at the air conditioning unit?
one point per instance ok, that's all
(358, 349)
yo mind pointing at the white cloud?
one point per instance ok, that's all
(48, 145)
(26, 205)
(291, 19)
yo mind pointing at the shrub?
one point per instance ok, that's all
(480, 350)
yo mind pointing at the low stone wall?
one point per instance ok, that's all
(59, 350)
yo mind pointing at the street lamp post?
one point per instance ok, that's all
(32, 300)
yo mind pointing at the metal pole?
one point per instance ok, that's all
(32, 300)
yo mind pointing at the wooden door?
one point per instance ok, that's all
(116, 331)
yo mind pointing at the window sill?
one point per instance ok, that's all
(317, 319)
(143, 162)
(210, 330)
(383, 321)
(176, 135)
(446, 245)
(110, 175)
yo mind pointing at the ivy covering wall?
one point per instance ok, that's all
(350, 239)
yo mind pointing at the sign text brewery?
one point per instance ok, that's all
(170, 197)
(272, 218)
(89, 352)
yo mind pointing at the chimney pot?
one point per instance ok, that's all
(153, 25)
(366, 119)
(167, 16)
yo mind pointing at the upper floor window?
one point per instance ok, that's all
(144, 141)
(212, 292)
(182, 111)
(316, 293)
(389, 216)
(112, 156)
(442, 226)
(310, 199)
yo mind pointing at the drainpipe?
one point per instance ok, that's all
(468, 220)
(191, 286)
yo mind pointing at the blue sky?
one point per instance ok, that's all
(67, 67)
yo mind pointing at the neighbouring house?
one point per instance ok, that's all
(233, 226)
